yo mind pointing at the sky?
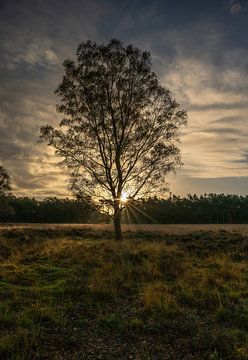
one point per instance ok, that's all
(199, 51)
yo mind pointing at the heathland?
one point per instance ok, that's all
(168, 293)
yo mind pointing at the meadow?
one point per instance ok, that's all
(165, 292)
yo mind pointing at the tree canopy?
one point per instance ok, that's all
(120, 128)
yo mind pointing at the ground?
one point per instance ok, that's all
(165, 292)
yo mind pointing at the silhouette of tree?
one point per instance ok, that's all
(120, 127)
(6, 211)
(4, 181)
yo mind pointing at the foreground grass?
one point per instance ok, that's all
(76, 294)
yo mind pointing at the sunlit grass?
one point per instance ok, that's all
(158, 296)
(188, 289)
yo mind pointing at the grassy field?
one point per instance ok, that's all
(176, 229)
(73, 293)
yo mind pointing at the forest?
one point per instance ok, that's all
(192, 209)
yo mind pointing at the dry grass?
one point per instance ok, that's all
(158, 296)
(175, 229)
(68, 293)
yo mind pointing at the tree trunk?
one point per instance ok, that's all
(117, 221)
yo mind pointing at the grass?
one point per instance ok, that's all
(77, 294)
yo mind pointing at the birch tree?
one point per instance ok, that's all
(120, 131)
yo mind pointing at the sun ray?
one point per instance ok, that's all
(143, 213)
(129, 220)
(133, 214)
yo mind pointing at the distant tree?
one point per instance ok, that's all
(6, 211)
(67, 211)
(4, 181)
(120, 127)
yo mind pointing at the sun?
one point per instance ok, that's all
(124, 198)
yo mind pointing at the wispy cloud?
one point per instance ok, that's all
(237, 7)
(38, 52)
(215, 96)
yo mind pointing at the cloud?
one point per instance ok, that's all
(226, 185)
(235, 8)
(243, 159)
(216, 136)
(34, 41)
(219, 106)
(227, 120)
(26, 53)
(37, 54)
(200, 61)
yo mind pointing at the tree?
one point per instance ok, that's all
(118, 137)
(4, 182)
(6, 211)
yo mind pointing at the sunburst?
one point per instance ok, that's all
(124, 198)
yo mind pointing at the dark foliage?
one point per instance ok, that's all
(205, 209)
(193, 209)
(50, 210)
(4, 181)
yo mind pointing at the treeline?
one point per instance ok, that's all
(192, 209)
(50, 210)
